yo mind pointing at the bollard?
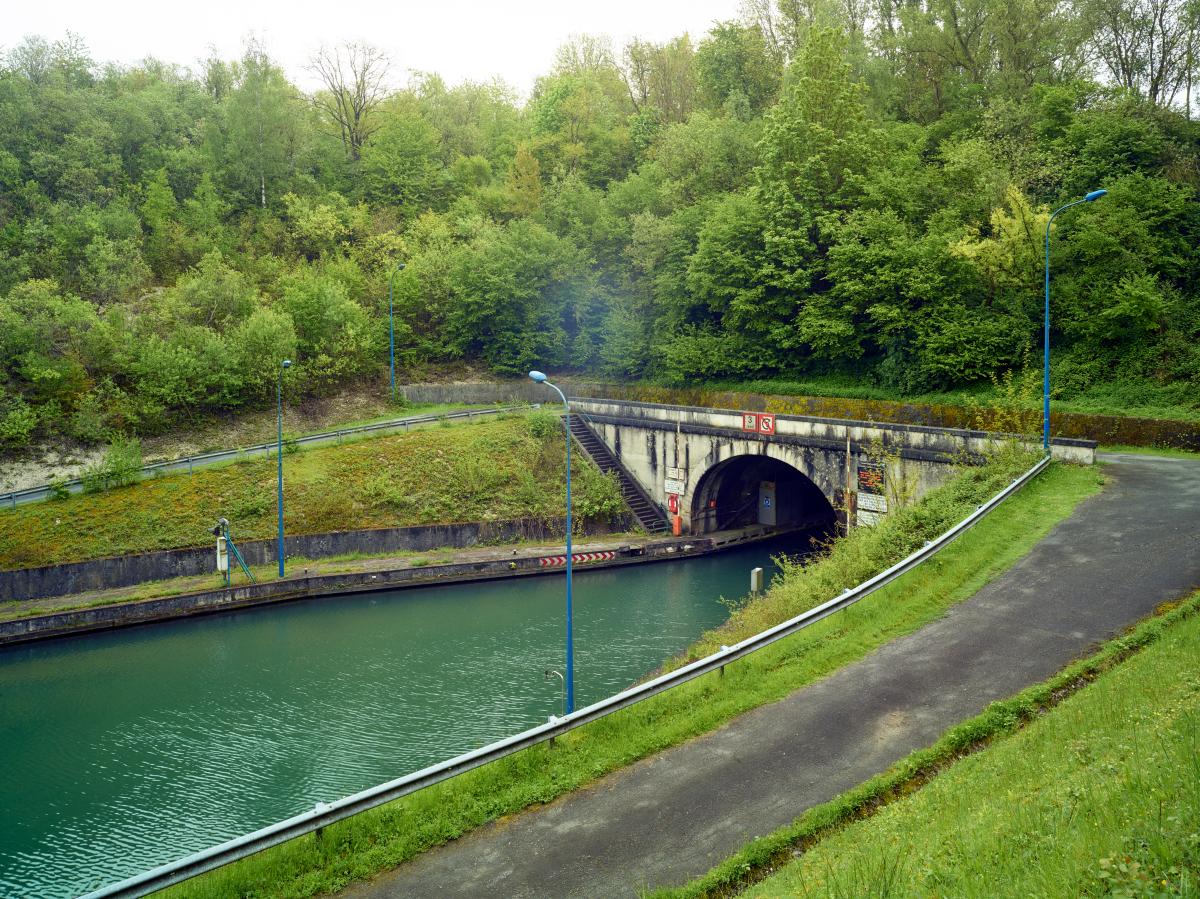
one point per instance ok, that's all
(756, 581)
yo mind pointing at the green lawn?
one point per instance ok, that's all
(376, 840)
(489, 469)
(1099, 796)
(1168, 452)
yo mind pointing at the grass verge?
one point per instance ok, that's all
(382, 838)
(493, 469)
(1085, 784)
(1167, 452)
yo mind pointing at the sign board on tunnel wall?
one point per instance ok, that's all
(871, 500)
(872, 477)
(758, 422)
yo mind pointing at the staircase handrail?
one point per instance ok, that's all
(638, 488)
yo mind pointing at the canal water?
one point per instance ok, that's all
(128, 749)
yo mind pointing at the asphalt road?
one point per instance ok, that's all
(669, 818)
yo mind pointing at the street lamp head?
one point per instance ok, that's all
(287, 363)
(537, 376)
(400, 267)
(1095, 195)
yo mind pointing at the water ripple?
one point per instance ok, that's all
(129, 749)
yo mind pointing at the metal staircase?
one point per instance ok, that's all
(649, 515)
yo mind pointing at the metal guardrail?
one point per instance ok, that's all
(75, 485)
(325, 814)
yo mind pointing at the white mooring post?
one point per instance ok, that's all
(756, 581)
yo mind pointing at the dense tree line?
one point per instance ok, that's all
(855, 186)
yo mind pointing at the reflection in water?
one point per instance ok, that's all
(126, 750)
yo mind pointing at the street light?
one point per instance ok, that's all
(392, 329)
(541, 379)
(287, 363)
(1088, 198)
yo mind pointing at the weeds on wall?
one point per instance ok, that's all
(1013, 407)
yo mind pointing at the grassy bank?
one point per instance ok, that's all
(871, 550)
(490, 469)
(1086, 784)
(385, 837)
(1168, 452)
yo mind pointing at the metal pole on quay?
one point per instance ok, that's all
(287, 363)
(540, 378)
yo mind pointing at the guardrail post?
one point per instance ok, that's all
(190, 465)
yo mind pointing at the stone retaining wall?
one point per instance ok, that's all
(125, 571)
(77, 621)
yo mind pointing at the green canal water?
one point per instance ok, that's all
(125, 750)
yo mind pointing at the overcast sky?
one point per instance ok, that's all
(460, 39)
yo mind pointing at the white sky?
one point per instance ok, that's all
(460, 39)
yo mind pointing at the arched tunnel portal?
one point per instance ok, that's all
(753, 489)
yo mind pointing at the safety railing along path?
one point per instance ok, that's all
(325, 814)
(15, 498)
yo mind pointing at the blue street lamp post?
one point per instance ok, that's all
(541, 379)
(392, 328)
(1088, 198)
(287, 363)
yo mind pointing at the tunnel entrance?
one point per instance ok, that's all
(749, 490)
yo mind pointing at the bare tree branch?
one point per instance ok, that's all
(355, 79)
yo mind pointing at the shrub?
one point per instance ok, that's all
(121, 465)
(17, 424)
(543, 424)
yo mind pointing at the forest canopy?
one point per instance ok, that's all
(856, 187)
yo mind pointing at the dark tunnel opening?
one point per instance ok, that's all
(758, 490)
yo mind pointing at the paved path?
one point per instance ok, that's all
(669, 818)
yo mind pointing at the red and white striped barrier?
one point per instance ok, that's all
(576, 558)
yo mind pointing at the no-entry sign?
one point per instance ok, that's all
(758, 422)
